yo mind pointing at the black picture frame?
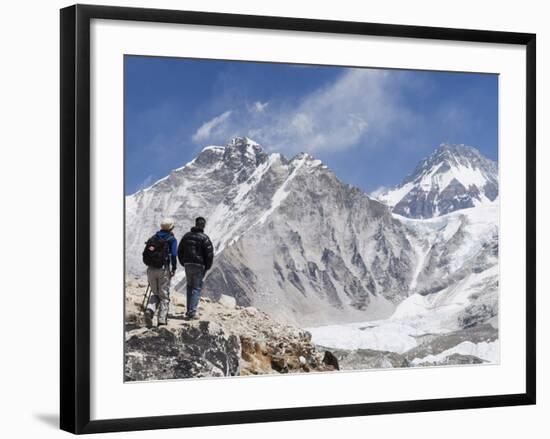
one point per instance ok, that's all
(75, 217)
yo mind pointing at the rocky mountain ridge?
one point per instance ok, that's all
(290, 238)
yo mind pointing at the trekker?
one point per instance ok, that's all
(196, 254)
(159, 253)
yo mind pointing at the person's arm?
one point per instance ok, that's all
(208, 254)
(173, 254)
(180, 251)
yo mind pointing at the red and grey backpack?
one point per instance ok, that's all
(156, 251)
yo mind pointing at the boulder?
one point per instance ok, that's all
(278, 363)
(330, 359)
(190, 351)
(227, 301)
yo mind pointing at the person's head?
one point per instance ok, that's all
(200, 223)
(167, 224)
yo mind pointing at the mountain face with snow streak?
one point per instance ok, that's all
(289, 237)
(453, 177)
(323, 251)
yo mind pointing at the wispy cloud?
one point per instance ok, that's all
(259, 106)
(358, 107)
(378, 191)
(212, 127)
(146, 182)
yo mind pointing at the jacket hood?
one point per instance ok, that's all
(197, 230)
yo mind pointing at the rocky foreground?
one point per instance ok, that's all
(231, 340)
(227, 340)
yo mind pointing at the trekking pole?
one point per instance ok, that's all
(145, 299)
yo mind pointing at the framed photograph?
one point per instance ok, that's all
(274, 218)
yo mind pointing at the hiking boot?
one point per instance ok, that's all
(193, 316)
(162, 323)
(148, 316)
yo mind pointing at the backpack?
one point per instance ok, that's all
(156, 251)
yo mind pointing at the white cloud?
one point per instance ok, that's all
(208, 129)
(302, 123)
(379, 191)
(260, 106)
(359, 107)
(147, 181)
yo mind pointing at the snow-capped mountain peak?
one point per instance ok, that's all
(453, 177)
(243, 151)
(238, 153)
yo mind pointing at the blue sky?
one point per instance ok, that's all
(370, 126)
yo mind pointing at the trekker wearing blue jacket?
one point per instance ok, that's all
(159, 274)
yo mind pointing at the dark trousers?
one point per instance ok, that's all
(194, 273)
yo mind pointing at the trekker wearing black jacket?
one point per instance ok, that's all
(196, 254)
